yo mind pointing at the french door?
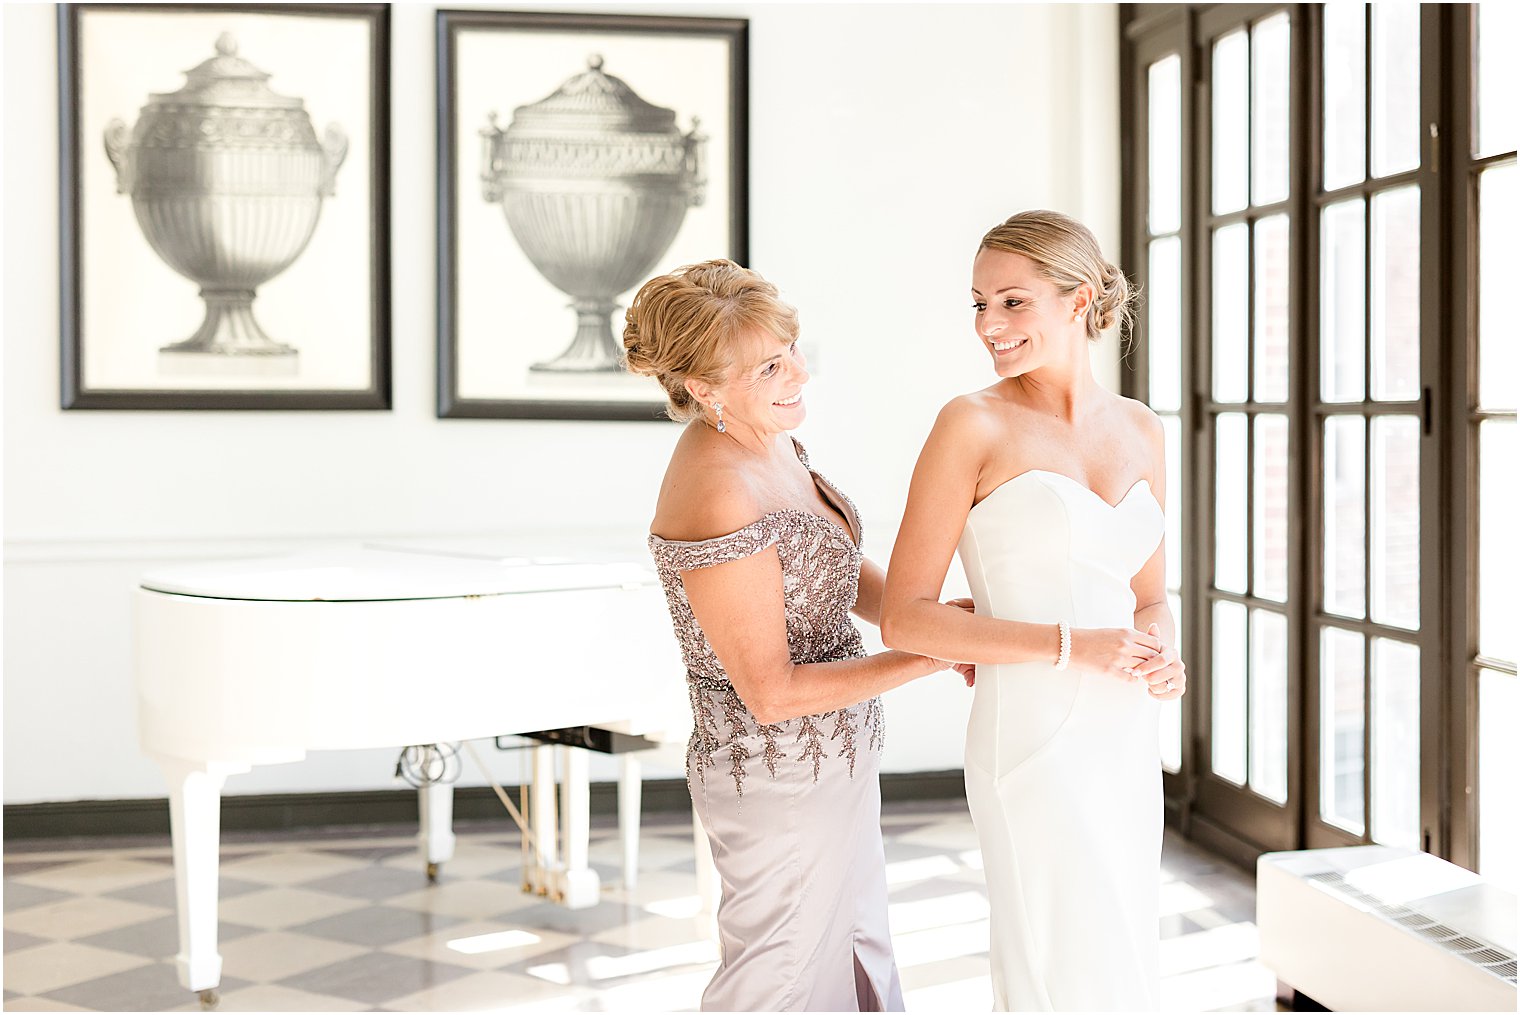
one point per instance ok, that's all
(1289, 218)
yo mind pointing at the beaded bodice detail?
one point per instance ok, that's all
(820, 567)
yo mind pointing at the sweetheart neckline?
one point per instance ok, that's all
(1080, 486)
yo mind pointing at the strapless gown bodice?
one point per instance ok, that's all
(1063, 773)
(1042, 547)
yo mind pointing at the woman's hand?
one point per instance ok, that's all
(1115, 650)
(966, 670)
(1164, 675)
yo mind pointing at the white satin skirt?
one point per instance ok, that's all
(1064, 787)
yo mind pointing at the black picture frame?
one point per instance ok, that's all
(83, 340)
(605, 31)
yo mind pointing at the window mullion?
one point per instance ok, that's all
(1448, 763)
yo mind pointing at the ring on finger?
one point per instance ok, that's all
(1169, 685)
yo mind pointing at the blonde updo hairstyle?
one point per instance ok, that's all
(1067, 254)
(691, 325)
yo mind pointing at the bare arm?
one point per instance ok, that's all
(939, 499)
(1149, 584)
(1152, 611)
(868, 602)
(741, 608)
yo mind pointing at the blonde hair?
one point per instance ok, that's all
(689, 325)
(1067, 254)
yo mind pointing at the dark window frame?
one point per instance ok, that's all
(1226, 818)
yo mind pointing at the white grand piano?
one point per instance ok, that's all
(257, 662)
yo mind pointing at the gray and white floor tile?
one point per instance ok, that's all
(335, 922)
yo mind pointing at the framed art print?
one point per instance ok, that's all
(224, 206)
(578, 155)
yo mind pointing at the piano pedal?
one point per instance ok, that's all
(422, 765)
(210, 999)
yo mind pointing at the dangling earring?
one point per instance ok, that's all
(718, 408)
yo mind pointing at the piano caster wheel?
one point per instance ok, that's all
(432, 873)
(210, 1000)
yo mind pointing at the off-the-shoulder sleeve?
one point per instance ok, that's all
(746, 542)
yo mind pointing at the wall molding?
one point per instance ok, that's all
(278, 812)
(1222, 842)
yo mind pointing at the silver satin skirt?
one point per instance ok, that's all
(802, 922)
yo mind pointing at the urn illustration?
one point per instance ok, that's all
(595, 183)
(227, 180)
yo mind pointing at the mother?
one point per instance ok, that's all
(761, 563)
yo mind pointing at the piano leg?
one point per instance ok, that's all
(540, 878)
(435, 807)
(579, 885)
(195, 823)
(630, 799)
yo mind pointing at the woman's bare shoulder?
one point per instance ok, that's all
(704, 496)
(1139, 415)
(974, 413)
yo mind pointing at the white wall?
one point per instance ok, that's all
(884, 140)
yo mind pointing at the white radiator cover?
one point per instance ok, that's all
(1381, 928)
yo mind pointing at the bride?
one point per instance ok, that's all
(1052, 490)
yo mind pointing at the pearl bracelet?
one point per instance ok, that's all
(1065, 655)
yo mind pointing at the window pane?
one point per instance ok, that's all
(1231, 292)
(1499, 778)
(1165, 140)
(1271, 349)
(1230, 502)
(1498, 84)
(1345, 70)
(1269, 110)
(1171, 711)
(1395, 743)
(1164, 324)
(1345, 515)
(1228, 691)
(1498, 601)
(1396, 521)
(1230, 122)
(1396, 294)
(1342, 317)
(1395, 87)
(1269, 704)
(1341, 725)
(1171, 428)
(1498, 266)
(1269, 508)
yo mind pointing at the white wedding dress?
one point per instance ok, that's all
(1063, 772)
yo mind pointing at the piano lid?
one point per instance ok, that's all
(371, 574)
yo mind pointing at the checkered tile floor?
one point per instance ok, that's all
(347, 922)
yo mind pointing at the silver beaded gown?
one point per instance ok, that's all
(792, 809)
